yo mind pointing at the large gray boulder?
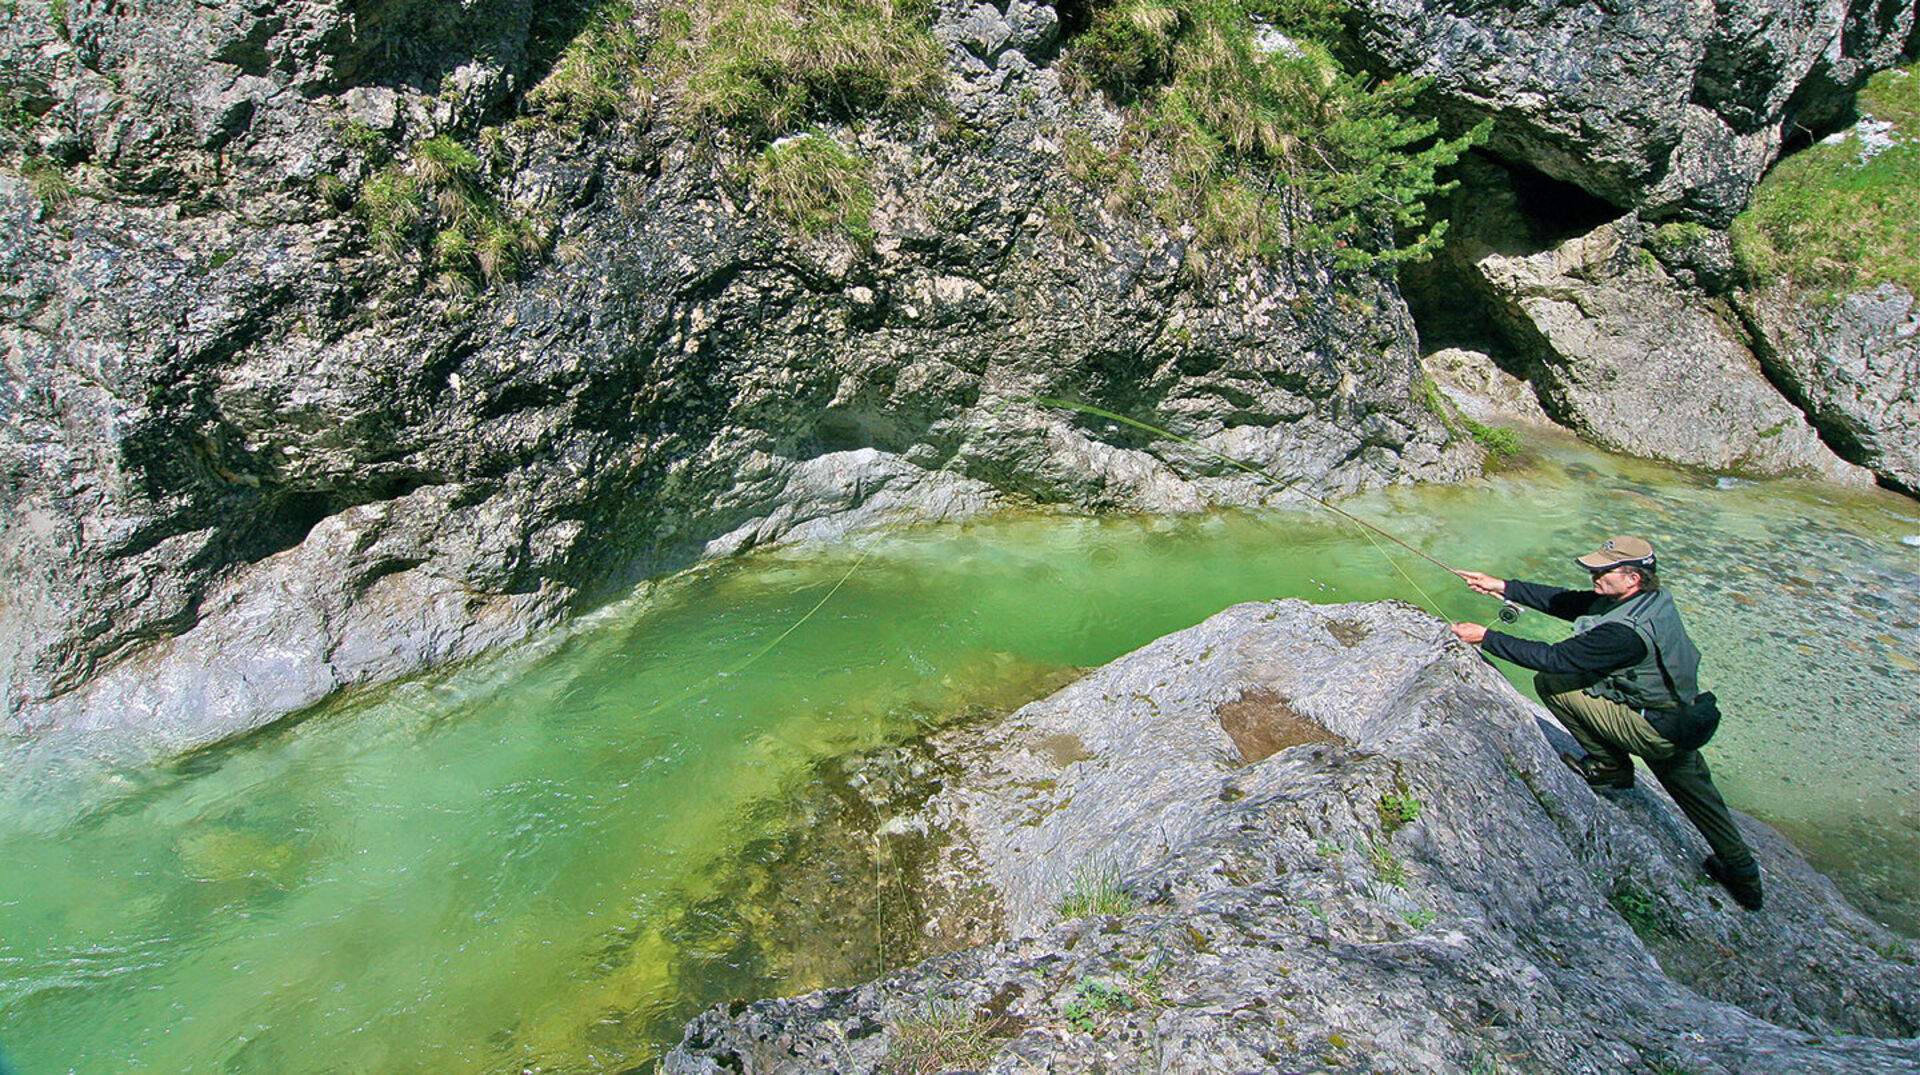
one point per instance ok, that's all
(1666, 106)
(1853, 364)
(1623, 354)
(1350, 846)
(246, 460)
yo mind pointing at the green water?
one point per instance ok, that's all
(510, 864)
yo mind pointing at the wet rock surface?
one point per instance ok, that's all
(1427, 888)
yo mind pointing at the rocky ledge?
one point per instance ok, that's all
(1335, 840)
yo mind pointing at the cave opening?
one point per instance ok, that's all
(1497, 206)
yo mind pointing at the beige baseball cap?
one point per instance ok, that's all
(1617, 551)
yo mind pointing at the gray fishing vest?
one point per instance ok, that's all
(1654, 618)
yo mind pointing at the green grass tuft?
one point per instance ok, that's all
(815, 185)
(1829, 222)
(938, 1037)
(1387, 867)
(51, 184)
(1097, 890)
(434, 204)
(766, 68)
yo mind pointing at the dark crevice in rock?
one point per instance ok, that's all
(1554, 210)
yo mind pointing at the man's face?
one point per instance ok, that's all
(1616, 582)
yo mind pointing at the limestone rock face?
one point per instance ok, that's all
(1351, 845)
(239, 449)
(1855, 366)
(1631, 360)
(1667, 106)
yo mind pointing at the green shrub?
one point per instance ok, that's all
(1831, 219)
(1271, 148)
(813, 184)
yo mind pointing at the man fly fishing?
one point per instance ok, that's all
(1626, 683)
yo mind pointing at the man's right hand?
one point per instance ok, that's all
(1485, 584)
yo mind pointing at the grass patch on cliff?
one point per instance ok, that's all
(434, 207)
(600, 75)
(1838, 217)
(767, 68)
(1270, 143)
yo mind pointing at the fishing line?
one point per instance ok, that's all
(1283, 486)
(691, 689)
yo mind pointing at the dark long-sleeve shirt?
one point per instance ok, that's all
(1603, 649)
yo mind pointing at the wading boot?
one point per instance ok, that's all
(1744, 885)
(1599, 774)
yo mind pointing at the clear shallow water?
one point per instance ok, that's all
(528, 861)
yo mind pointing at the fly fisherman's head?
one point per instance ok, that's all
(1621, 567)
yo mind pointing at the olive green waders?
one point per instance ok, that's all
(1611, 732)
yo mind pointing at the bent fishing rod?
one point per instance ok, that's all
(1509, 612)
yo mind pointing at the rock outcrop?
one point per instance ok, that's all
(1348, 844)
(1632, 361)
(1853, 365)
(249, 460)
(1662, 106)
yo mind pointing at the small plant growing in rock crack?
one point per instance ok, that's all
(1387, 867)
(1420, 918)
(1398, 810)
(1094, 998)
(1328, 849)
(1097, 890)
(1637, 906)
(943, 1035)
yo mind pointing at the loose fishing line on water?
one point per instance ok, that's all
(1508, 611)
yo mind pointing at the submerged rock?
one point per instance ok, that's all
(1345, 842)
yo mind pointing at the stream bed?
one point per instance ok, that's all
(544, 860)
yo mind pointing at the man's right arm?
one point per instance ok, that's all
(1552, 600)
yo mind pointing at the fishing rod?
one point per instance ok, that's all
(1509, 612)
